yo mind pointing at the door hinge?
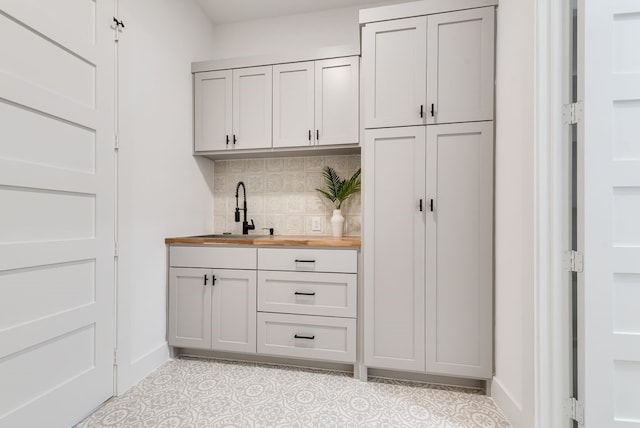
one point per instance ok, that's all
(116, 141)
(117, 26)
(115, 357)
(574, 261)
(574, 410)
(572, 113)
(116, 249)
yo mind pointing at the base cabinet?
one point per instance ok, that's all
(428, 249)
(212, 308)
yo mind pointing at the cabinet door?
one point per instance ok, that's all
(336, 101)
(394, 236)
(460, 48)
(459, 249)
(190, 308)
(293, 105)
(394, 72)
(252, 101)
(233, 321)
(212, 110)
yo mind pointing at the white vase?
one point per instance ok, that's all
(337, 224)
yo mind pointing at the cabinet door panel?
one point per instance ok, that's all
(252, 105)
(460, 50)
(459, 249)
(337, 100)
(233, 323)
(293, 104)
(394, 248)
(212, 98)
(394, 72)
(189, 308)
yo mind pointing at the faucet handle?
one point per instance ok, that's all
(251, 226)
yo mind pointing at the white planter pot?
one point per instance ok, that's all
(337, 224)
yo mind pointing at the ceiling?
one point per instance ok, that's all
(228, 11)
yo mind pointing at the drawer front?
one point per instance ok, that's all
(212, 257)
(310, 260)
(302, 336)
(308, 293)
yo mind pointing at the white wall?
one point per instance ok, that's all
(164, 190)
(513, 384)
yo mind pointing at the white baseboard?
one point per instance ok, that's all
(130, 373)
(507, 404)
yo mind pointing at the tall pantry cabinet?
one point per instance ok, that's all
(428, 193)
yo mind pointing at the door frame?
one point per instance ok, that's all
(552, 224)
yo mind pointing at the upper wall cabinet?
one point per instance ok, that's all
(316, 103)
(233, 109)
(429, 70)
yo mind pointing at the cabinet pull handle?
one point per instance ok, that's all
(433, 111)
(317, 135)
(420, 205)
(299, 293)
(227, 140)
(421, 110)
(234, 139)
(298, 336)
(205, 280)
(304, 261)
(431, 204)
(309, 135)
(213, 280)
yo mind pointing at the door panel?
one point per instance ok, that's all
(252, 107)
(460, 58)
(293, 86)
(233, 323)
(57, 223)
(394, 307)
(213, 112)
(459, 249)
(395, 69)
(190, 307)
(608, 212)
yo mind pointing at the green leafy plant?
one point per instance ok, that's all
(338, 189)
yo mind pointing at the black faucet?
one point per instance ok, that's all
(246, 227)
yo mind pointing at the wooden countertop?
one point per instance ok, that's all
(271, 241)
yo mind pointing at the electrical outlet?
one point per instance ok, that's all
(316, 225)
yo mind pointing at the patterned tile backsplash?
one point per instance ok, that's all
(281, 194)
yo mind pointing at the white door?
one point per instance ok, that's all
(293, 105)
(394, 70)
(57, 210)
(609, 211)
(337, 100)
(459, 268)
(213, 112)
(233, 320)
(190, 307)
(394, 248)
(460, 60)
(252, 106)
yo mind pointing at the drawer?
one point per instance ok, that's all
(310, 260)
(308, 293)
(303, 336)
(212, 257)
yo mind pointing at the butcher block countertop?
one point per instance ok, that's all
(270, 241)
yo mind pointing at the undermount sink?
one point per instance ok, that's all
(230, 236)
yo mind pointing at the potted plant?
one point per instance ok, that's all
(338, 190)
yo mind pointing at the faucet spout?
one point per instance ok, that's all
(246, 227)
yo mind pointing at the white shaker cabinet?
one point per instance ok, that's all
(430, 69)
(394, 248)
(316, 103)
(212, 308)
(428, 249)
(233, 109)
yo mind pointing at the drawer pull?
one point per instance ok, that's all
(297, 336)
(299, 293)
(304, 261)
